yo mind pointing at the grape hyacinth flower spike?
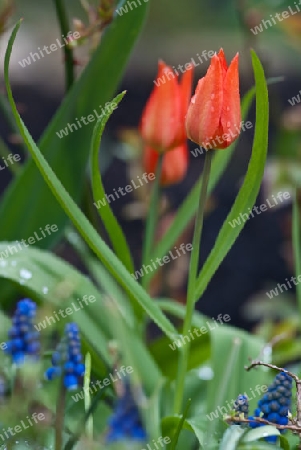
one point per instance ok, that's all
(275, 404)
(67, 359)
(24, 343)
(125, 422)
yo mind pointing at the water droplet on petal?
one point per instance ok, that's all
(193, 100)
(24, 273)
(228, 124)
(212, 96)
(212, 108)
(228, 108)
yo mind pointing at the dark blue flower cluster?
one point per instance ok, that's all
(275, 403)
(67, 359)
(24, 338)
(125, 422)
(241, 405)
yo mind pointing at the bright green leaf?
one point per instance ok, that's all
(111, 224)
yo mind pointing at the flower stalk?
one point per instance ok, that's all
(193, 273)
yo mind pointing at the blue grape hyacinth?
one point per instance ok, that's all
(275, 404)
(125, 422)
(24, 342)
(67, 359)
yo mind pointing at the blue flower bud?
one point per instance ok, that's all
(24, 339)
(67, 358)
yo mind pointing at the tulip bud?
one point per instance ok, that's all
(163, 120)
(174, 164)
(214, 115)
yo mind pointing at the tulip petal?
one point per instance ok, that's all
(174, 166)
(161, 117)
(205, 108)
(231, 112)
(185, 88)
(223, 61)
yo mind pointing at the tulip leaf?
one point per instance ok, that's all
(110, 222)
(53, 281)
(134, 351)
(87, 231)
(189, 207)
(249, 190)
(172, 425)
(176, 435)
(260, 432)
(258, 446)
(69, 155)
(231, 438)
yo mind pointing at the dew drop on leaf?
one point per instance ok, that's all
(24, 273)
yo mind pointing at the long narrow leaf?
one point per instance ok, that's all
(111, 224)
(88, 232)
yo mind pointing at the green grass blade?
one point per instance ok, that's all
(111, 224)
(87, 396)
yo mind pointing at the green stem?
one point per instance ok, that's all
(64, 25)
(152, 220)
(193, 272)
(76, 437)
(60, 416)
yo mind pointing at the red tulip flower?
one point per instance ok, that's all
(163, 119)
(214, 116)
(174, 164)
